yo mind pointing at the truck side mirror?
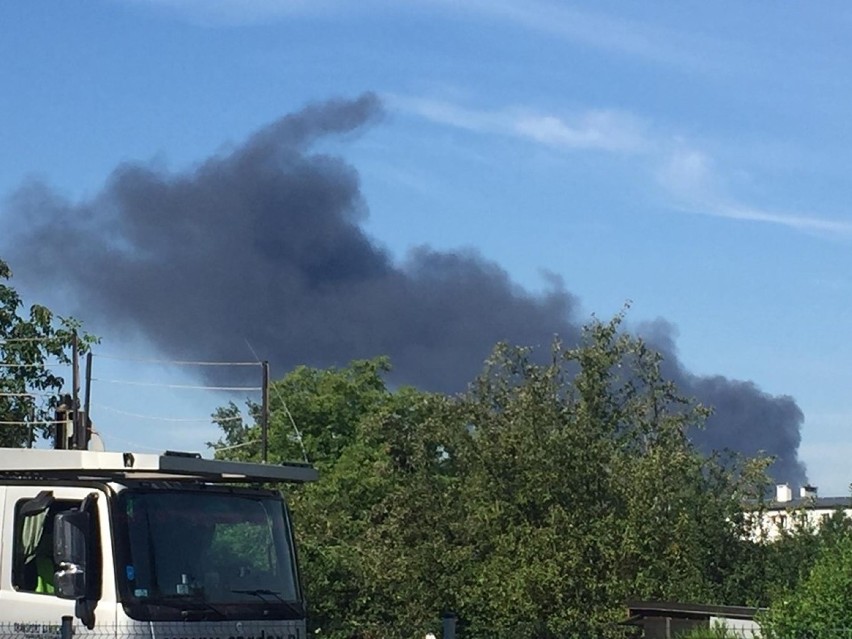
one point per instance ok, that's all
(71, 532)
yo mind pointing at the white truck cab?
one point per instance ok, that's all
(127, 545)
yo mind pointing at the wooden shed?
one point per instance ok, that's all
(668, 620)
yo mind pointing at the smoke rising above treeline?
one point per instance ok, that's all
(264, 244)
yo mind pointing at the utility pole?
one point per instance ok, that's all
(87, 422)
(78, 438)
(264, 423)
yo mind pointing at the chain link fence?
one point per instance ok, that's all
(60, 629)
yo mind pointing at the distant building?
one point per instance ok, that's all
(668, 620)
(787, 513)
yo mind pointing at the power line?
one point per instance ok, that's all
(174, 362)
(27, 394)
(292, 423)
(248, 443)
(286, 410)
(178, 386)
(138, 446)
(119, 411)
(13, 365)
(47, 366)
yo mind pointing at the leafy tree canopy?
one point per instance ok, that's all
(533, 505)
(30, 346)
(821, 603)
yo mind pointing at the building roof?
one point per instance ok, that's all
(811, 503)
(687, 610)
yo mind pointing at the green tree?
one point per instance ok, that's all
(313, 413)
(339, 418)
(586, 491)
(768, 571)
(532, 505)
(821, 603)
(29, 388)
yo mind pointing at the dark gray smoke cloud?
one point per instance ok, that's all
(264, 244)
(745, 419)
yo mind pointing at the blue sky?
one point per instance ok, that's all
(689, 158)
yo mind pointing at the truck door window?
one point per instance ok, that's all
(33, 565)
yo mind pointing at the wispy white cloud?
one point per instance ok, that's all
(589, 28)
(237, 12)
(688, 173)
(443, 112)
(795, 221)
(688, 176)
(605, 130)
(583, 27)
(601, 130)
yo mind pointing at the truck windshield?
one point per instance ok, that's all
(212, 553)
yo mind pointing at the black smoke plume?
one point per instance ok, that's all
(264, 244)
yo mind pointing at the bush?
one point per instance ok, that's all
(822, 604)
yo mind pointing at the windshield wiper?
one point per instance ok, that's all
(180, 602)
(261, 593)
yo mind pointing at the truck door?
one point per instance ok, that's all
(27, 595)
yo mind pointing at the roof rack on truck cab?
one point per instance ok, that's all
(87, 464)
